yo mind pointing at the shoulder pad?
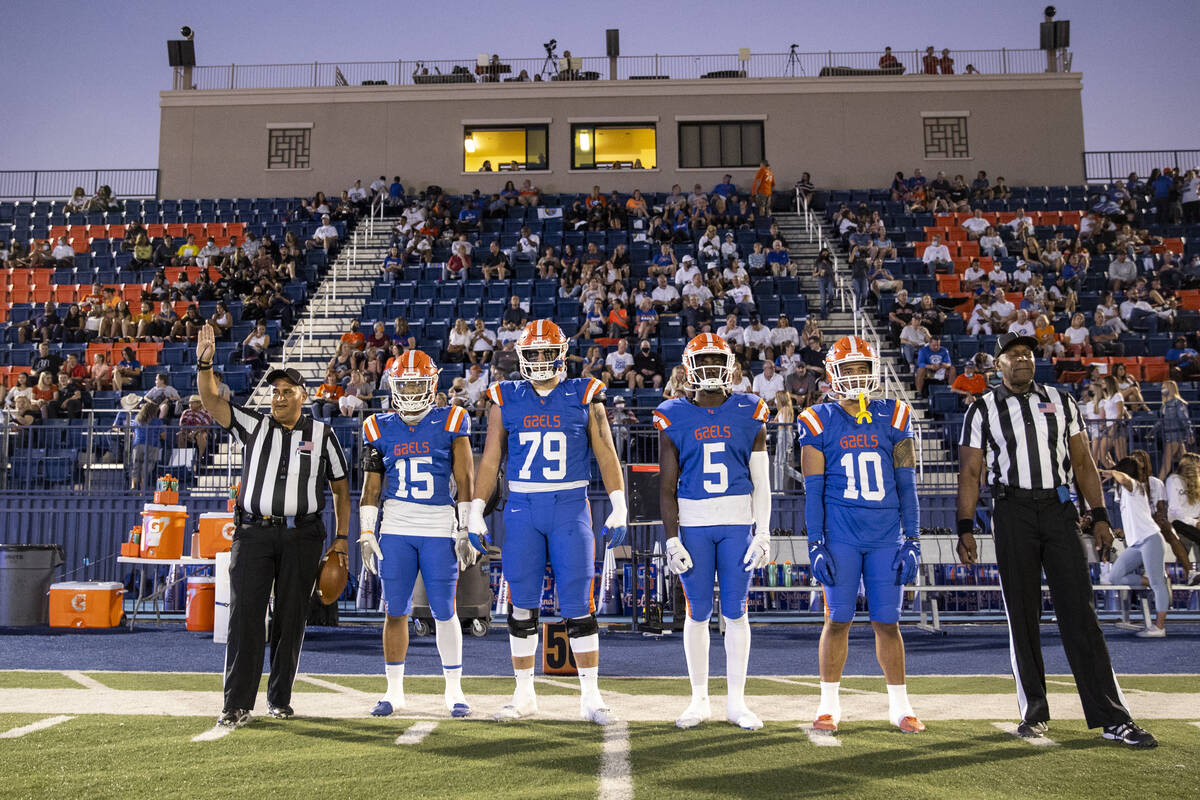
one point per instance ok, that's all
(371, 429)
(901, 414)
(812, 421)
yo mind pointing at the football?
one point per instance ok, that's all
(331, 581)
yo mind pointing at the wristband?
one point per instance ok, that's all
(1099, 515)
(203, 367)
(340, 536)
(966, 526)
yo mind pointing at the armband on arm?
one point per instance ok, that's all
(910, 507)
(814, 507)
(372, 460)
(760, 495)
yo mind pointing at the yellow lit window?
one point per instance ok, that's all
(614, 147)
(505, 149)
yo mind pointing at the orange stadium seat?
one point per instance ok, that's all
(64, 294)
(116, 231)
(155, 230)
(147, 353)
(1154, 368)
(175, 229)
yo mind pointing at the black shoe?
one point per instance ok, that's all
(1130, 734)
(235, 718)
(1032, 730)
(280, 712)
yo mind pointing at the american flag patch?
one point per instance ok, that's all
(1048, 408)
(304, 447)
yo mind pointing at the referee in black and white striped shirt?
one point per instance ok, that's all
(1033, 443)
(287, 460)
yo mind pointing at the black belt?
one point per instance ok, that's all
(1002, 492)
(279, 522)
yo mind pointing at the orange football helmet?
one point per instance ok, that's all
(708, 363)
(850, 350)
(413, 381)
(541, 350)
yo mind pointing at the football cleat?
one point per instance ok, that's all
(281, 712)
(458, 707)
(825, 724)
(601, 715)
(1032, 730)
(697, 711)
(384, 708)
(235, 718)
(518, 709)
(744, 718)
(1130, 734)
(910, 724)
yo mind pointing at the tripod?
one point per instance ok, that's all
(550, 65)
(793, 62)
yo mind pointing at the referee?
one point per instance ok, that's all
(287, 459)
(1033, 442)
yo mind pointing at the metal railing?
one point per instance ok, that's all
(59, 184)
(1104, 166)
(1003, 61)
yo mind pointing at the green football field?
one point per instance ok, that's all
(107, 734)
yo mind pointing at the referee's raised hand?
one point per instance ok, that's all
(214, 404)
(206, 345)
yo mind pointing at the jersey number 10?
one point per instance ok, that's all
(870, 466)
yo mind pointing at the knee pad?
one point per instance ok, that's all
(578, 627)
(523, 628)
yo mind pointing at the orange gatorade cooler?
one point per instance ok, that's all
(163, 531)
(86, 604)
(201, 594)
(216, 533)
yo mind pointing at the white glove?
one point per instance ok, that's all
(477, 532)
(616, 526)
(369, 547)
(758, 554)
(467, 555)
(679, 560)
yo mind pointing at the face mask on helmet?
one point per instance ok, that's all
(709, 371)
(858, 374)
(412, 394)
(540, 362)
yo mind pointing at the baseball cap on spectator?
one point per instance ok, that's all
(194, 399)
(686, 259)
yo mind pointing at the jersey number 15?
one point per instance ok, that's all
(418, 478)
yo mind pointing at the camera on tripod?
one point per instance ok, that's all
(550, 47)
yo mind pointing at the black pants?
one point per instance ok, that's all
(289, 559)
(1032, 536)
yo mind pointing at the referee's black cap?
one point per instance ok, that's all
(1008, 340)
(287, 374)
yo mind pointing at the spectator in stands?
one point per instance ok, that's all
(1021, 223)
(549, 264)
(901, 312)
(1130, 389)
(483, 343)
(1022, 325)
(359, 390)
(887, 60)
(700, 289)
(686, 270)
(762, 186)
(930, 62)
(980, 190)
(758, 340)
(882, 246)
(495, 263)
(991, 245)
(933, 366)
(1114, 444)
(880, 280)
(972, 276)
(458, 343)
(325, 398)
(164, 396)
(1049, 345)
(222, 321)
(377, 347)
(733, 334)
(324, 237)
(976, 226)
(79, 201)
(45, 392)
(739, 297)
(1002, 311)
(505, 363)
(72, 369)
(780, 261)
(354, 337)
(664, 263)
(970, 384)
(647, 367)
(782, 333)
(937, 256)
(185, 255)
(618, 318)
(1077, 338)
(45, 361)
(194, 425)
(45, 327)
(860, 270)
(946, 63)
(913, 337)
(146, 446)
(393, 265)
(1103, 339)
(128, 370)
(860, 242)
(1020, 277)
(1137, 312)
(932, 317)
(618, 366)
(593, 321)
(74, 330)
(1183, 360)
(254, 347)
(646, 320)
(63, 254)
(666, 297)
(22, 389)
(768, 384)
(756, 262)
(695, 317)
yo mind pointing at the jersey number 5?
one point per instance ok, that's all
(420, 481)
(870, 466)
(715, 468)
(553, 447)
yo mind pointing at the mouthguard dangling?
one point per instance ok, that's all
(862, 415)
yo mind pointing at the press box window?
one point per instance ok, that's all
(614, 147)
(505, 149)
(720, 144)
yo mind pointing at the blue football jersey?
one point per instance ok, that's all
(548, 444)
(417, 456)
(860, 476)
(714, 444)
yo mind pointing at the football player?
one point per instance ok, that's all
(549, 424)
(417, 458)
(715, 495)
(863, 520)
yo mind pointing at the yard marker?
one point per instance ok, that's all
(1036, 741)
(416, 733)
(616, 777)
(86, 681)
(212, 734)
(41, 724)
(821, 738)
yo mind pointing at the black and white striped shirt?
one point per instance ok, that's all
(1024, 437)
(285, 472)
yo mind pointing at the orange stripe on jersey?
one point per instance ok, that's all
(762, 413)
(660, 421)
(494, 395)
(900, 415)
(372, 429)
(594, 387)
(811, 421)
(454, 419)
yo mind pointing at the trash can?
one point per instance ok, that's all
(26, 572)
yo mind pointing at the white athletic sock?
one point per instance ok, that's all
(448, 633)
(524, 682)
(589, 686)
(898, 705)
(695, 650)
(830, 703)
(395, 681)
(737, 657)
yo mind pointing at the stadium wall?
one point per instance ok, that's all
(849, 132)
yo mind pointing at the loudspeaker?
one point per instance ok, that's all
(181, 53)
(1055, 35)
(612, 38)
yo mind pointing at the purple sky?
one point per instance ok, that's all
(82, 79)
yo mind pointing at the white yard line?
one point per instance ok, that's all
(86, 681)
(333, 687)
(1197, 724)
(1036, 741)
(616, 777)
(821, 738)
(555, 682)
(212, 734)
(810, 684)
(416, 732)
(41, 724)
(1053, 682)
